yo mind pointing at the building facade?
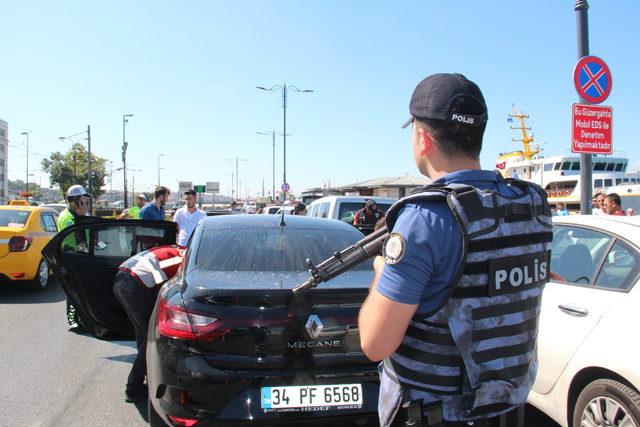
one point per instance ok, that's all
(4, 167)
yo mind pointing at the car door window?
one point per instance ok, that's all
(126, 240)
(576, 253)
(48, 223)
(323, 210)
(620, 269)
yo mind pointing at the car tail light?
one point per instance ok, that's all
(187, 422)
(19, 243)
(174, 321)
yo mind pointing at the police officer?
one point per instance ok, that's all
(134, 211)
(453, 309)
(77, 205)
(368, 215)
(136, 287)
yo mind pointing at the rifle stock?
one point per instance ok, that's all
(344, 260)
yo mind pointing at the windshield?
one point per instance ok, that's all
(14, 219)
(271, 249)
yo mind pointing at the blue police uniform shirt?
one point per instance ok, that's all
(150, 211)
(431, 258)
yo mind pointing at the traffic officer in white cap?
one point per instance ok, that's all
(77, 205)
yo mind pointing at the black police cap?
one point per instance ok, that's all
(448, 97)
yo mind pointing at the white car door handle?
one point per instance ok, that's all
(573, 310)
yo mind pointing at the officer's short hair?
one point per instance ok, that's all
(454, 139)
(615, 199)
(190, 192)
(161, 191)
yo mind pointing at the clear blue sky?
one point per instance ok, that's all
(188, 71)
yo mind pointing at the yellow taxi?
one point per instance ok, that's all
(24, 231)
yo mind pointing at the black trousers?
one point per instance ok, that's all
(138, 301)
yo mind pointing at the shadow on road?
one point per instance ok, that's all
(127, 358)
(535, 418)
(143, 409)
(17, 293)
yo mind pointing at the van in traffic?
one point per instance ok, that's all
(344, 208)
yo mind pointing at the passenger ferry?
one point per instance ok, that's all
(559, 175)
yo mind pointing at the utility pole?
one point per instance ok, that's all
(159, 155)
(237, 160)
(586, 187)
(124, 157)
(26, 182)
(111, 180)
(89, 166)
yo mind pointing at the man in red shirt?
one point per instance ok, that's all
(612, 205)
(369, 215)
(136, 287)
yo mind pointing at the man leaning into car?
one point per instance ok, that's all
(453, 307)
(136, 287)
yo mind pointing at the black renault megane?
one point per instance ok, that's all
(229, 342)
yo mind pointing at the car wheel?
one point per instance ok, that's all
(607, 403)
(155, 420)
(41, 280)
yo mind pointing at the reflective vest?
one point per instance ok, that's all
(134, 212)
(66, 219)
(479, 347)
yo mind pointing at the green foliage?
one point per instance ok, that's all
(67, 169)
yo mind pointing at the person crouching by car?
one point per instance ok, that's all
(136, 287)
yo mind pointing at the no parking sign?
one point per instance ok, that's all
(592, 79)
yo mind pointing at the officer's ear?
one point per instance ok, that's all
(425, 141)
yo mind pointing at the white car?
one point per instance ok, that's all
(344, 207)
(589, 360)
(271, 210)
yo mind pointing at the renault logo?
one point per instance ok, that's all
(314, 326)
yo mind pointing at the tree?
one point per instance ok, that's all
(72, 167)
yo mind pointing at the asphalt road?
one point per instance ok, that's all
(53, 377)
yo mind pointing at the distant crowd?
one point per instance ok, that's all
(601, 204)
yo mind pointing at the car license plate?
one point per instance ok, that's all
(344, 395)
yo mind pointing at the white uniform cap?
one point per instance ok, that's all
(77, 190)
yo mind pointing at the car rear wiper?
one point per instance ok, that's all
(344, 260)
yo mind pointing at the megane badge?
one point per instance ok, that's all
(314, 326)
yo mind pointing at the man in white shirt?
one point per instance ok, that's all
(187, 217)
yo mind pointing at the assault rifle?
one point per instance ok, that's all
(369, 246)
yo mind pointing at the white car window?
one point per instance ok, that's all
(576, 253)
(620, 269)
(323, 210)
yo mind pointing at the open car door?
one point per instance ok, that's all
(85, 259)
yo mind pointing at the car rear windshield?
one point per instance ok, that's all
(348, 210)
(271, 249)
(13, 219)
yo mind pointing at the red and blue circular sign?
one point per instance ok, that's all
(592, 79)
(285, 187)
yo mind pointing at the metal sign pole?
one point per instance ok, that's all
(586, 167)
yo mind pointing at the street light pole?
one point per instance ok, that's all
(284, 89)
(273, 155)
(159, 168)
(26, 182)
(124, 157)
